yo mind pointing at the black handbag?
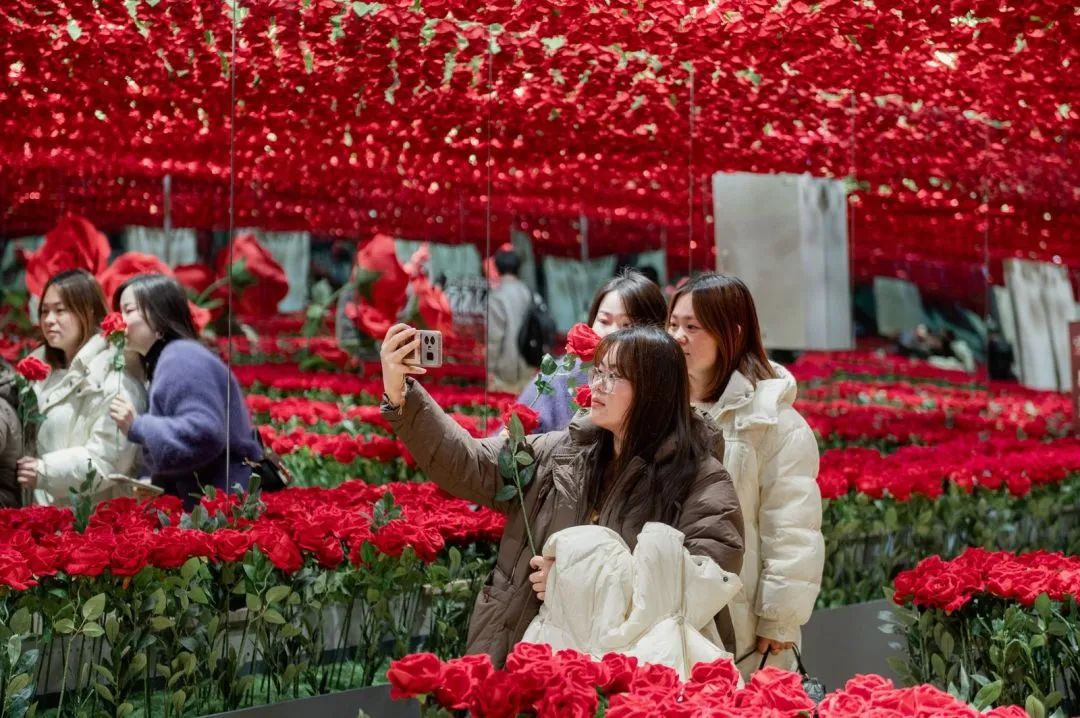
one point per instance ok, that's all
(271, 473)
(814, 688)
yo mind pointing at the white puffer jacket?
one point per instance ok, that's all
(76, 430)
(658, 603)
(772, 456)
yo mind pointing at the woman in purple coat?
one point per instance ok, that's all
(197, 431)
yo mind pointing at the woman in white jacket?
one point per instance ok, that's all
(76, 432)
(772, 456)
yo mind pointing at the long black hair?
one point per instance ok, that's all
(659, 413)
(163, 303)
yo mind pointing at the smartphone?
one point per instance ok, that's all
(429, 353)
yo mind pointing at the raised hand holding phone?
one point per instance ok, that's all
(401, 340)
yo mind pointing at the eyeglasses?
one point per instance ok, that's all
(603, 381)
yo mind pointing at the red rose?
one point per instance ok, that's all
(721, 676)
(526, 654)
(500, 696)
(868, 686)
(415, 675)
(582, 342)
(433, 305)
(270, 283)
(368, 319)
(777, 689)
(655, 681)
(617, 673)
(278, 547)
(74, 243)
(125, 267)
(455, 686)
(1007, 712)
(33, 369)
(14, 571)
(131, 555)
(112, 324)
(386, 293)
(530, 420)
(569, 701)
(230, 545)
(194, 276)
(583, 396)
(842, 705)
(86, 555)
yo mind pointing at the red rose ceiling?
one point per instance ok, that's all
(439, 119)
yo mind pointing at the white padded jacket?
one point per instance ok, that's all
(772, 456)
(657, 603)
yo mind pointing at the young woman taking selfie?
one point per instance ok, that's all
(639, 455)
(772, 455)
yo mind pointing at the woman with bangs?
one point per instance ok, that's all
(77, 435)
(639, 455)
(628, 299)
(772, 455)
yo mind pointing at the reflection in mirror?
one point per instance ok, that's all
(114, 158)
(361, 202)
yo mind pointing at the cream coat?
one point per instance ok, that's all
(657, 603)
(772, 456)
(77, 432)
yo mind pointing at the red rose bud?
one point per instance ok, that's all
(583, 396)
(33, 369)
(582, 342)
(113, 324)
(530, 420)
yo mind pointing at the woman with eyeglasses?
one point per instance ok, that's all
(772, 455)
(628, 299)
(639, 455)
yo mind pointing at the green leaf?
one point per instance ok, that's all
(17, 683)
(1034, 707)
(506, 463)
(517, 431)
(104, 673)
(938, 665)
(272, 616)
(1042, 605)
(64, 625)
(124, 710)
(94, 607)
(112, 629)
(277, 593)
(254, 604)
(73, 30)
(506, 493)
(160, 623)
(190, 568)
(988, 694)
(548, 365)
(947, 645)
(104, 692)
(20, 621)
(523, 458)
(198, 595)
(93, 630)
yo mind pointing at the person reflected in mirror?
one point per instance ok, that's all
(11, 438)
(76, 433)
(627, 299)
(640, 454)
(197, 431)
(508, 305)
(772, 455)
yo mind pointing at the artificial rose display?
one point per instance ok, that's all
(126, 266)
(268, 282)
(74, 243)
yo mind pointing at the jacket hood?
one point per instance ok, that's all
(757, 404)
